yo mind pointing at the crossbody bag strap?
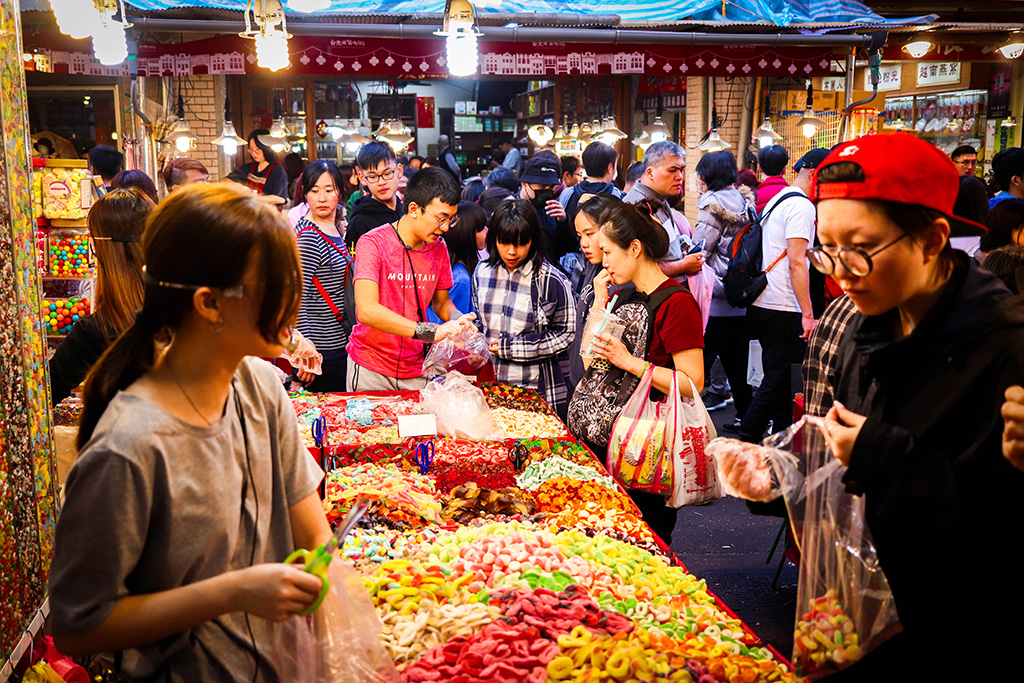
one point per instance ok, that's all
(765, 217)
(339, 315)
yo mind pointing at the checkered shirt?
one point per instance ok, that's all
(819, 370)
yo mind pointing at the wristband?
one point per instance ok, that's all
(643, 370)
(425, 332)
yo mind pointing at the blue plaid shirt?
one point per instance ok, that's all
(532, 314)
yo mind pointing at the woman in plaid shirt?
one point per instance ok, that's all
(526, 307)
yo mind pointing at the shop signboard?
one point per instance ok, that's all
(937, 73)
(999, 91)
(889, 77)
(833, 84)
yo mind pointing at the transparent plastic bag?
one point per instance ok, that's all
(845, 607)
(340, 642)
(460, 408)
(463, 352)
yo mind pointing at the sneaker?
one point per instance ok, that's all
(733, 427)
(728, 398)
(713, 401)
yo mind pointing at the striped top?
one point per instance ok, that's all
(316, 320)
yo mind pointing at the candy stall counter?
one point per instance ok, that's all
(517, 560)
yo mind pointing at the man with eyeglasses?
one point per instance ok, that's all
(965, 158)
(401, 270)
(378, 170)
(782, 317)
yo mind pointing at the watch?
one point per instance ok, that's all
(425, 332)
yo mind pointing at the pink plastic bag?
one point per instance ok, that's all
(637, 456)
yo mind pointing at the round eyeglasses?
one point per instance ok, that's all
(854, 259)
(450, 221)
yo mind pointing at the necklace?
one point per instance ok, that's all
(187, 397)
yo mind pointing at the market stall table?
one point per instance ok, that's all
(516, 559)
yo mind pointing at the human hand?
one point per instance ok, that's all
(555, 209)
(842, 427)
(1013, 426)
(807, 323)
(744, 468)
(692, 264)
(601, 282)
(274, 591)
(612, 349)
(493, 346)
(304, 376)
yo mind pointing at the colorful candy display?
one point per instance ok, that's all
(824, 638)
(479, 574)
(60, 315)
(68, 254)
(61, 191)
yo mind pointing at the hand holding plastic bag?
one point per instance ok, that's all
(340, 642)
(304, 355)
(460, 408)
(744, 470)
(466, 349)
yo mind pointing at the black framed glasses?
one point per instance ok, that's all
(450, 221)
(372, 178)
(854, 259)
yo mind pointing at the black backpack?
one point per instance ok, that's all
(744, 279)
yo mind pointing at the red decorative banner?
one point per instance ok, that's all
(419, 59)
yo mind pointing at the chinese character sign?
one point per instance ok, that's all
(938, 73)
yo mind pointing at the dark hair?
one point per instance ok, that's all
(347, 171)
(137, 179)
(911, 218)
(515, 221)
(1005, 217)
(415, 157)
(773, 159)
(269, 155)
(294, 165)
(431, 161)
(595, 208)
(624, 223)
(429, 184)
(717, 170)
(311, 175)
(461, 238)
(207, 236)
(106, 161)
(748, 178)
(972, 199)
(569, 164)
(1005, 165)
(491, 199)
(116, 222)
(1007, 263)
(473, 189)
(962, 150)
(176, 171)
(503, 177)
(504, 140)
(597, 157)
(372, 153)
(634, 172)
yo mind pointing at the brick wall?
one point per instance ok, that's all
(204, 111)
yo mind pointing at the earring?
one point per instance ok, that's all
(218, 326)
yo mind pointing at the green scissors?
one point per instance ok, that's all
(316, 561)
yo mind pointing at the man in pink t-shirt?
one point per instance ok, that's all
(401, 270)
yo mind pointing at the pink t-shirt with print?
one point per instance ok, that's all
(382, 257)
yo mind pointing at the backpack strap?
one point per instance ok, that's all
(764, 217)
(339, 315)
(654, 301)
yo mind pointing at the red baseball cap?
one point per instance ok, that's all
(899, 167)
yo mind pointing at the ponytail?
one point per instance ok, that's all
(130, 357)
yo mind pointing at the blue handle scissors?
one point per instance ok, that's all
(423, 455)
(517, 455)
(319, 429)
(316, 561)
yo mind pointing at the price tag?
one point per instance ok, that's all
(416, 425)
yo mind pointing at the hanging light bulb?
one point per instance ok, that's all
(1013, 49)
(559, 134)
(810, 123)
(461, 35)
(612, 131)
(714, 143)
(278, 129)
(352, 135)
(917, 48)
(108, 38)
(541, 134)
(586, 130)
(766, 135)
(574, 132)
(657, 131)
(182, 136)
(643, 141)
(271, 40)
(308, 5)
(76, 18)
(228, 139)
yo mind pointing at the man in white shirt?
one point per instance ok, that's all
(782, 317)
(511, 159)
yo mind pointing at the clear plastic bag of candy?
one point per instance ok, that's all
(464, 352)
(340, 642)
(460, 408)
(845, 607)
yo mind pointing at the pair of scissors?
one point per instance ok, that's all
(316, 561)
(423, 455)
(319, 429)
(517, 455)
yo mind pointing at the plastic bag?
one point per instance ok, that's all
(637, 456)
(304, 356)
(463, 352)
(460, 408)
(845, 607)
(702, 285)
(340, 642)
(695, 476)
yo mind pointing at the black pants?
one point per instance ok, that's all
(727, 338)
(781, 346)
(334, 369)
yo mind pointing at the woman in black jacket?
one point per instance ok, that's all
(923, 367)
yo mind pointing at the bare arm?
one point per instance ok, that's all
(309, 524)
(370, 311)
(688, 363)
(443, 305)
(688, 265)
(799, 280)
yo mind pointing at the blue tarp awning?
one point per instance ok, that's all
(780, 13)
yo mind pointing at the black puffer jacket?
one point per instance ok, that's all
(942, 502)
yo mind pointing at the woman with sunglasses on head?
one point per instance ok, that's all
(192, 484)
(922, 370)
(115, 231)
